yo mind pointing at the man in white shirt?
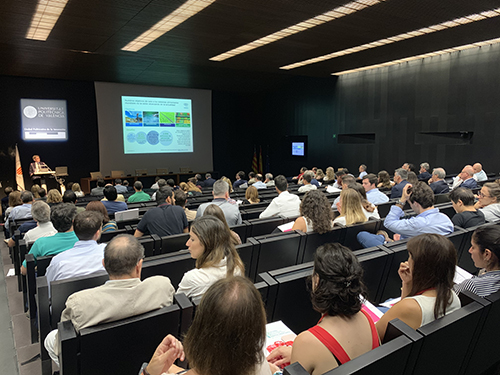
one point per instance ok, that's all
(479, 173)
(284, 204)
(41, 214)
(306, 179)
(86, 256)
(373, 195)
(259, 184)
(362, 172)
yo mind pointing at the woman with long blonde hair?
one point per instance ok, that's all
(350, 208)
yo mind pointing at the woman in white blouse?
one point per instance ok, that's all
(211, 244)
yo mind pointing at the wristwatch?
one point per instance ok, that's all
(143, 369)
(401, 203)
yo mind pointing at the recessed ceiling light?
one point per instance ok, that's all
(178, 16)
(408, 35)
(352, 7)
(46, 15)
(422, 56)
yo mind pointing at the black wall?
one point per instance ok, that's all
(80, 153)
(459, 92)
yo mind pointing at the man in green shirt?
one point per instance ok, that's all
(139, 195)
(62, 216)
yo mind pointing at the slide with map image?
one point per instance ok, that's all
(156, 125)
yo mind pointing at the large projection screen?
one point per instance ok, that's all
(152, 127)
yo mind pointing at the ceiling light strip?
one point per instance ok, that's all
(408, 35)
(46, 15)
(423, 56)
(178, 16)
(344, 10)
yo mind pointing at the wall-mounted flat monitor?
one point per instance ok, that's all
(44, 120)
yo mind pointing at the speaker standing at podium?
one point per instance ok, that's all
(35, 167)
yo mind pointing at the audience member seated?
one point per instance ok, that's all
(412, 178)
(240, 180)
(139, 195)
(251, 178)
(330, 176)
(428, 219)
(120, 189)
(209, 181)
(369, 209)
(466, 216)
(285, 204)
(130, 189)
(485, 252)
(212, 245)
(34, 191)
(180, 199)
(99, 190)
(345, 330)
(347, 182)
(69, 196)
(5, 200)
(298, 178)
(111, 203)
(373, 195)
(337, 185)
(22, 211)
(316, 214)
(86, 256)
(362, 172)
(467, 178)
(259, 184)
(192, 188)
(229, 184)
(161, 182)
(123, 296)
(424, 174)
(269, 181)
(107, 225)
(306, 180)
(155, 186)
(251, 195)
(62, 217)
(437, 182)
(43, 195)
(221, 198)
(164, 220)
(400, 179)
(350, 208)
(319, 176)
(489, 201)
(14, 201)
(427, 282)
(77, 189)
(216, 211)
(479, 173)
(40, 212)
(232, 316)
(384, 180)
(54, 197)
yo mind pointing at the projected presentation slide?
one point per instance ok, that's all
(44, 120)
(153, 125)
(298, 148)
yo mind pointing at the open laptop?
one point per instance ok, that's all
(127, 215)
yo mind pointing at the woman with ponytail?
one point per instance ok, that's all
(212, 245)
(345, 331)
(427, 282)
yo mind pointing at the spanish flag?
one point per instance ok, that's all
(19, 172)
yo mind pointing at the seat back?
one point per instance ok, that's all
(245, 250)
(241, 230)
(391, 287)
(176, 242)
(172, 265)
(315, 240)
(384, 208)
(352, 231)
(124, 344)
(149, 243)
(273, 252)
(259, 227)
(375, 261)
(446, 341)
(108, 236)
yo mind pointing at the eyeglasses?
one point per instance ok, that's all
(484, 196)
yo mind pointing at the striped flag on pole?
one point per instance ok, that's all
(19, 172)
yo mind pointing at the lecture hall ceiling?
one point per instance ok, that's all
(87, 39)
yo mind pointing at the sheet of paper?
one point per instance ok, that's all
(277, 331)
(390, 302)
(373, 311)
(461, 275)
(286, 227)
(11, 272)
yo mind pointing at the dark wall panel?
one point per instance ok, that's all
(449, 93)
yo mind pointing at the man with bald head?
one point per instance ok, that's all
(467, 176)
(479, 174)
